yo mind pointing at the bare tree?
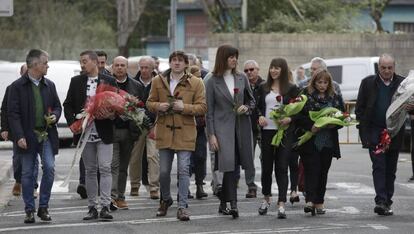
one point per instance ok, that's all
(377, 8)
(129, 12)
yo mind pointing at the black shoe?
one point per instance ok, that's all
(104, 214)
(411, 179)
(43, 214)
(30, 218)
(217, 191)
(81, 190)
(294, 199)
(223, 209)
(320, 211)
(92, 214)
(263, 208)
(113, 206)
(251, 193)
(381, 209)
(389, 211)
(200, 192)
(233, 209)
(281, 214)
(309, 208)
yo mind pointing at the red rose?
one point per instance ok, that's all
(292, 100)
(279, 98)
(131, 108)
(236, 90)
(176, 94)
(49, 110)
(345, 114)
(140, 104)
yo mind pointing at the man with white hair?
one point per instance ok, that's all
(144, 77)
(318, 63)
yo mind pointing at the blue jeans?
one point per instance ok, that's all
(183, 167)
(17, 169)
(29, 166)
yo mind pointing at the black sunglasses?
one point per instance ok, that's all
(247, 70)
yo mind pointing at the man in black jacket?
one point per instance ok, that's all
(33, 110)
(374, 98)
(126, 133)
(6, 135)
(99, 147)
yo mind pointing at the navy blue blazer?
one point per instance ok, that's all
(21, 112)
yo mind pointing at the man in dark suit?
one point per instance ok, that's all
(33, 111)
(98, 150)
(126, 133)
(374, 98)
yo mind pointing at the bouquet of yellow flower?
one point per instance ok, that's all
(324, 117)
(295, 106)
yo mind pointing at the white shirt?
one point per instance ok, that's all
(229, 79)
(271, 103)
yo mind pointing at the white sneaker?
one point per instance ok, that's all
(264, 207)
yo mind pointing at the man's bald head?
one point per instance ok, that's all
(119, 67)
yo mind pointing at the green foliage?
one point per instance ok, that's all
(313, 16)
(59, 27)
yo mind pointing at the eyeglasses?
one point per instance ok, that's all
(248, 70)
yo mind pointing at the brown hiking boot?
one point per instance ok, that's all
(17, 189)
(162, 210)
(183, 215)
(122, 204)
(154, 195)
(134, 192)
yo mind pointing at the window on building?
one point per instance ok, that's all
(404, 27)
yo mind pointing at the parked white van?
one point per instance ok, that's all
(60, 72)
(349, 72)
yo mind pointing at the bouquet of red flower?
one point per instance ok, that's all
(119, 102)
(384, 144)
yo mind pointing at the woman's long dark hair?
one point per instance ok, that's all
(283, 77)
(223, 53)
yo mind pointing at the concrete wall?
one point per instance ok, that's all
(301, 48)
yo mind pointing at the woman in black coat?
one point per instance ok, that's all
(317, 153)
(276, 91)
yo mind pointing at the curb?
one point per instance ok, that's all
(6, 168)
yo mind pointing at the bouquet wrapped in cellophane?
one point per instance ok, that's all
(327, 116)
(282, 111)
(118, 102)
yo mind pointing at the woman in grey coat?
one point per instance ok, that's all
(229, 102)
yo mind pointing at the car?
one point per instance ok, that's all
(348, 73)
(60, 72)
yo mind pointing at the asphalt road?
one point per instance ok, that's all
(349, 203)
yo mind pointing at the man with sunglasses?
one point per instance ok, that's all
(251, 68)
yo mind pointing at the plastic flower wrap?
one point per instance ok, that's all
(118, 102)
(282, 111)
(384, 144)
(326, 116)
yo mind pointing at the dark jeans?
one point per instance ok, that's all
(384, 167)
(199, 158)
(45, 151)
(316, 165)
(17, 169)
(294, 170)
(144, 168)
(229, 185)
(277, 158)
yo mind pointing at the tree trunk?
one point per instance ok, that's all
(129, 12)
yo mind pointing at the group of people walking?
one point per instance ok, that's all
(234, 109)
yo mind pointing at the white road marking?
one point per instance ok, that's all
(356, 188)
(377, 226)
